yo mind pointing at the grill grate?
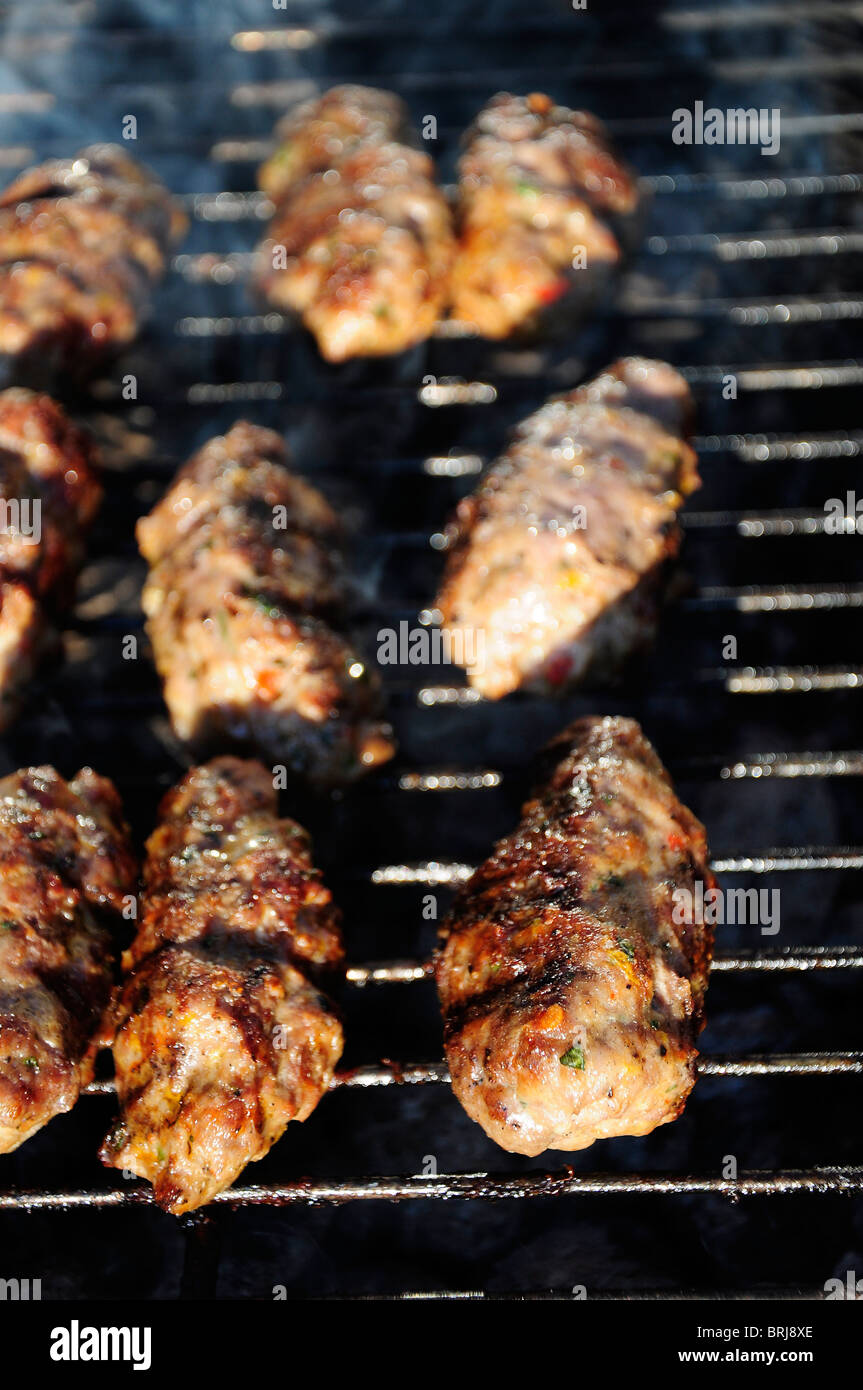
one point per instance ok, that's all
(751, 270)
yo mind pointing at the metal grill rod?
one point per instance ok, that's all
(758, 1064)
(751, 313)
(447, 873)
(778, 680)
(386, 1074)
(750, 448)
(484, 1186)
(813, 376)
(778, 243)
(810, 377)
(280, 95)
(797, 522)
(298, 37)
(749, 680)
(750, 598)
(761, 765)
(804, 377)
(227, 269)
(756, 766)
(769, 448)
(781, 680)
(252, 205)
(749, 525)
(792, 959)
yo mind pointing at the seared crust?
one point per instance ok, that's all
(82, 242)
(221, 1035)
(557, 559)
(571, 998)
(260, 886)
(67, 864)
(538, 182)
(50, 494)
(24, 640)
(104, 175)
(332, 126)
(245, 582)
(361, 242)
(57, 455)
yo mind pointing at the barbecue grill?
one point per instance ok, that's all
(748, 281)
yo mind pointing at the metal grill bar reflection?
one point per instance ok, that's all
(462, 1186)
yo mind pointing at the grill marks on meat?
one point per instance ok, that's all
(361, 242)
(361, 246)
(67, 865)
(545, 210)
(82, 243)
(245, 582)
(49, 494)
(222, 1037)
(571, 999)
(557, 559)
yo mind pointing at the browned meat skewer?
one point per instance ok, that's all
(244, 589)
(572, 998)
(24, 642)
(545, 210)
(361, 242)
(48, 497)
(222, 1037)
(557, 560)
(82, 242)
(67, 866)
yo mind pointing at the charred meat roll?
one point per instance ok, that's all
(557, 561)
(243, 602)
(361, 242)
(572, 998)
(67, 867)
(545, 211)
(49, 495)
(82, 243)
(221, 1035)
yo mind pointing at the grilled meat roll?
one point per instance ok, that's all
(244, 586)
(82, 242)
(361, 242)
(557, 559)
(221, 1035)
(49, 495)
(24, 641)
(67, 865)
(545, 211)
(572, 999)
